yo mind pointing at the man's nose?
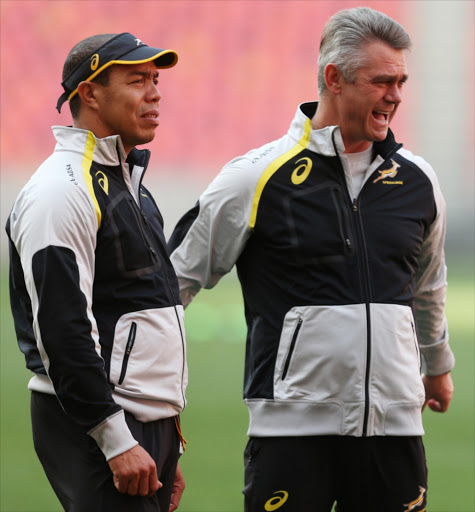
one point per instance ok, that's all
(394, 94)
(153, 93)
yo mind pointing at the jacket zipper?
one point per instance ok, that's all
(172, 300)
(143, 221)
(366, 288)
(367, 299)
(366, 285)
(363, 256)
(156, 259)
(291, 349)
(128, 350)
(343, 220)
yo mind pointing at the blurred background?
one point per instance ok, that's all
(244, 67)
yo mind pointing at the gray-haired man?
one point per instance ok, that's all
(337, 234)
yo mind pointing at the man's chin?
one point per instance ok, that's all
(145, 139)
(379, 136)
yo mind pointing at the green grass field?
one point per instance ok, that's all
(215, 420)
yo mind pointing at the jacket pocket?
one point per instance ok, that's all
(136, 251)
(395, 366)
(128, 349)
(291, 349)
(321, 354)
(416, 344)
(148, 358)
(332, 240)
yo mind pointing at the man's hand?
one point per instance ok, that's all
(178, 488)
(439, 391)
(135, 472)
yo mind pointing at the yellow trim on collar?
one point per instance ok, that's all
(274, 166)
(86, 167)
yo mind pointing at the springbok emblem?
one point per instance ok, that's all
(388, 173)
(418, 501)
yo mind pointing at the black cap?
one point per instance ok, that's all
(121, 49)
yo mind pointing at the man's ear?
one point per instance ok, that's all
(87, 91)
(333, 78)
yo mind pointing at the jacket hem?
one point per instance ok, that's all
(42, 384)
(146, 410)
(142, 409)
(270, 418)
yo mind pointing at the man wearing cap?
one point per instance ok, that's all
(94, 297)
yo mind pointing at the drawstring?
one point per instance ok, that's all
(183, 441)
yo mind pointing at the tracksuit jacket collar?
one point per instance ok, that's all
(328, 141)
(107, 151)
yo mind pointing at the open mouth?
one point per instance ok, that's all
(151, 118)
(380, 115)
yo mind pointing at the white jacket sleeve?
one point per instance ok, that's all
(208, 240)
(431, 288)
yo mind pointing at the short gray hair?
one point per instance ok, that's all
(81, 51)
(347, 33)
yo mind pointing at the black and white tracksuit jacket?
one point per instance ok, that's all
(94, 296)
(342, 294)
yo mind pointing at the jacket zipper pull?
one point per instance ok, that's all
(144, 217)
(355, 205)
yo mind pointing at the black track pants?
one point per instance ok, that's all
(77, 470)
(310, 474)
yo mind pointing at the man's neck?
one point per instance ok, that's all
(327, 115)
(323, 116)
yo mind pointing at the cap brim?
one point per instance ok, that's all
(113, 52)
(162, 58)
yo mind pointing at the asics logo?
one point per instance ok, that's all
(94, 61)
(103, 181)
(277, 501)
(301, 172)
